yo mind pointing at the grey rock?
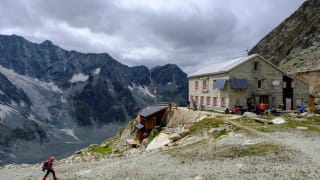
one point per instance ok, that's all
(184, 132)
(302, 128)
(174, 137)
(250, 115)
(219, 129)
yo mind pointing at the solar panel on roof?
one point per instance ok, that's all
(220, 83)
(240, 83)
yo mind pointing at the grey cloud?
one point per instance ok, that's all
(188, 33)
(193, 31)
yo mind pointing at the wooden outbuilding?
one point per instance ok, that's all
(153, 116)
(139, 130)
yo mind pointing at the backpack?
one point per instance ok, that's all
(44, 166)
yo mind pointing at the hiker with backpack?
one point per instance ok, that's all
(48, 165)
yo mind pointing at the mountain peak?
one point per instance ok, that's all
(47, 43)
(13, 36)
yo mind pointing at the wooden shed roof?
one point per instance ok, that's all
(152, 110)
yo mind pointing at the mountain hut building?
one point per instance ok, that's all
(245, 82)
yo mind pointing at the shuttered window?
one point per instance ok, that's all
(204, 84)
(214, 101)
(208, 100)
(191, 98)
(223, 102)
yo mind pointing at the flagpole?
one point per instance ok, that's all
(155, 91)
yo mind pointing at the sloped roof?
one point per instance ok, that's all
(139, 126)
(152, 110)
(221, 67)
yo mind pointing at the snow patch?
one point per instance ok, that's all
(70, 132)
(79, 78)
(141, 90)
(63, 99)
(17, 79)
(31, 117)
(5, 111)
(96, 71)
(2, 93)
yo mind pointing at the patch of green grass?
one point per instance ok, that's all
(220, 133)
(206, 123)
(266, 129)
(101, 150)
(155, 134)
(291, 124)
(267, 117)
(118, 152)
(258, 150)
(294, 124)
(105, 149)
(206, 151)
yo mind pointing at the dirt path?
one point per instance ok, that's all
(299, 141)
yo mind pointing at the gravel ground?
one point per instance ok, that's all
(298, 158)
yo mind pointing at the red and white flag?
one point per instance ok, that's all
(155, 91)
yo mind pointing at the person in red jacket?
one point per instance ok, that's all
(49, 168)
(262, 108)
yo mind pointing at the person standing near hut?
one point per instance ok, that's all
(262, 107)
(249, 104)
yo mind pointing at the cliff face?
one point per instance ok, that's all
(295, 45)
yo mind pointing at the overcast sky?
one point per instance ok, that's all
(189, 33)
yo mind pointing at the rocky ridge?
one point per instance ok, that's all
(50, 95)
(294, 45)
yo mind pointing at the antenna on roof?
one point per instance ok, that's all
(247, 51)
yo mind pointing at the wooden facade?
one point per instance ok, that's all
(153, 116)
(150, 118)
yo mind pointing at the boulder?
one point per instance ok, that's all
(278, 120)
(78, 152)
(310, 115)
(184, 132)
(250, 115)
(219, 129)
(302, 128)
